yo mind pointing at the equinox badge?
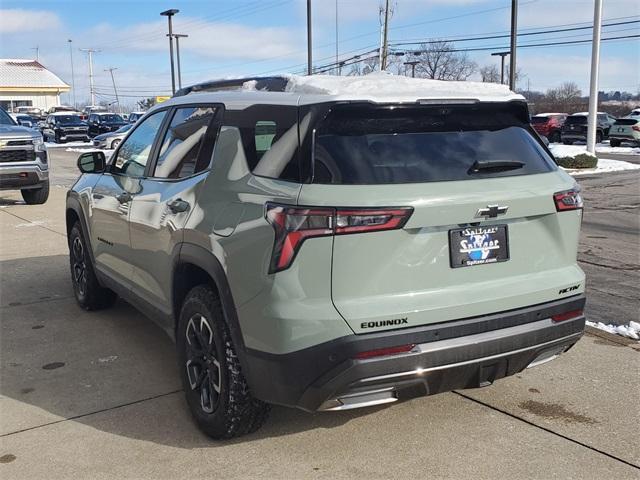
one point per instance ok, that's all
(492, 211)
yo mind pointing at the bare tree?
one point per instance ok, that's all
(440, 61)
(490, 73)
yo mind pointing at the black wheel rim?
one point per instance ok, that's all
(203, 367)
(79, 266)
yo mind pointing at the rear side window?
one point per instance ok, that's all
(383, 145)
(539, 120)
(269, 137)
(181, 152)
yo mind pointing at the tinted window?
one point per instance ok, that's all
(110, 118)
(576, 120)
(134, 152)
(539, 120)
(269, 135)
(5, 119)
(369, 145)
(183, 143)
(64, 119)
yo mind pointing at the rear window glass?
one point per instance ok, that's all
(627, 121)
(576, 120)
(369, 145)
(539, 120)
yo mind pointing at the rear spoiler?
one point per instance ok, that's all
(268, 84)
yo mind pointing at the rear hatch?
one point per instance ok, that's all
(575, 124)
(540, 124)
(483, 233)
(624, 127)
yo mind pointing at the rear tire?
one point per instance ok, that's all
(216, 391)
(36, 196)
(115, 143)
(568, 142)
(614, 142)
(89, 294)
(554, 137)
(598, 137)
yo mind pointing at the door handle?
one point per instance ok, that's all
(178, 206)
(124, 197)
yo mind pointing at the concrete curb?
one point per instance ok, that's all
(620, 340)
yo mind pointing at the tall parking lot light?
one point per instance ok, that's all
(178, 36)
(514, 36)
(593, 86)
(169, 14)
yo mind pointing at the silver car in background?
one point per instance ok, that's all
(111, 140)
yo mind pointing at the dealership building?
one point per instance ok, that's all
(26, 83)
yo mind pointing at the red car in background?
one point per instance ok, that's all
(549, 125)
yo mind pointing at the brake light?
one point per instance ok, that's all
(568, 200)
(636, 128)
(561, 317)
(382, 352)
(293, 225)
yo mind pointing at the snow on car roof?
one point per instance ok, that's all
(383, 86)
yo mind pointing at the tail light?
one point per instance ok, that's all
(636, 128)
(561, 317)
(293, 225)
(568, 200)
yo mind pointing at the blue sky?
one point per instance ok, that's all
(246, 37)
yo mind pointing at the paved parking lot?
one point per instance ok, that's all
(97, 395)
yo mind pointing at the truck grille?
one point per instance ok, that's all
(17, 156)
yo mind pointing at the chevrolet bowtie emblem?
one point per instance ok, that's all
(492, 211)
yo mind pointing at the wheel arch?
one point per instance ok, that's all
(73, 214)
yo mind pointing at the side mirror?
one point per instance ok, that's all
(92, 162)
(545, 140)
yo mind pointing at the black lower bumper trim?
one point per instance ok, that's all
(307, 378)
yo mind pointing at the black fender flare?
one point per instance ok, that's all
(74, 204)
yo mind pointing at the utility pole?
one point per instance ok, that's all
(337, 62)
(90, 52)
(73, 77)
(115, 90)
(501, 55)
(178, 36)
(309, 53)
(385, 37)
(593, 86)
(413, 64)
(169, 14)
(514, 35)
(37, 49)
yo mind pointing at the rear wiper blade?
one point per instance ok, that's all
(495, 165)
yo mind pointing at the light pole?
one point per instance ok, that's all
(169, 14)
(514, 35)
(73, 77)
(178, 36)
(593, 85)
(309, 55)
(91, 51)
(413, 64)
(115, 90)
(501, 55)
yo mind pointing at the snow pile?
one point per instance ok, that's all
(68, 144)
(630, 331)
(560, 150)
(606, 165)
(600, 148)
(383, 84)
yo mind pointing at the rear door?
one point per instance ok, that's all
(484, 235)
(167, 196)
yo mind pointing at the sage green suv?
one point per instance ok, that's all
(330, 243)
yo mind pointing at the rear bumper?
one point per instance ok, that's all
(453, 355)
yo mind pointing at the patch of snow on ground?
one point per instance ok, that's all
(605, 165)
(387, 85)
(560, 150)
(630, 331)
(68, 144)
(622, 150)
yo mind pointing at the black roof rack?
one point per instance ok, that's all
(268, 84)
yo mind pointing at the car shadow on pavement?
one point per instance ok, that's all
(113, 370)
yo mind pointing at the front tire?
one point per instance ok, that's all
(554, 137)
(614, 142)
(36, 196)
(115, 143)
(89, 294)
(567, 142)
(216, 391)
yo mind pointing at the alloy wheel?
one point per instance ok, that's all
(79, 266)
(203, 367)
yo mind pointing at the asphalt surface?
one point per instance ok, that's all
(97, 394)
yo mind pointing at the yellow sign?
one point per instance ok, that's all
(162, 99)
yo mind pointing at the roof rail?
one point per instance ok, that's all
(268, 84)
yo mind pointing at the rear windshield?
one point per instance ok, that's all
(111, 118)
(627, 121)
(576, 120)
(384, 145)
(64, 119)
(539, 120)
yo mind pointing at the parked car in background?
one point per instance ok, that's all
(33, 112)
(100, 123)
(64, 127)
(625, 130)
(331, 251)
(62, 108)
(23, 161)
(574, 128)
(635, 113)
(24, 120)
(549, 125)
(89, 109)
(112, 139)
(135, 116)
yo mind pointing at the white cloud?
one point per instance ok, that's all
(554, 12)
(19, 20)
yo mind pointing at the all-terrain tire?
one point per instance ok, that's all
(36, 196)
(234, 411)
(89, 294)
